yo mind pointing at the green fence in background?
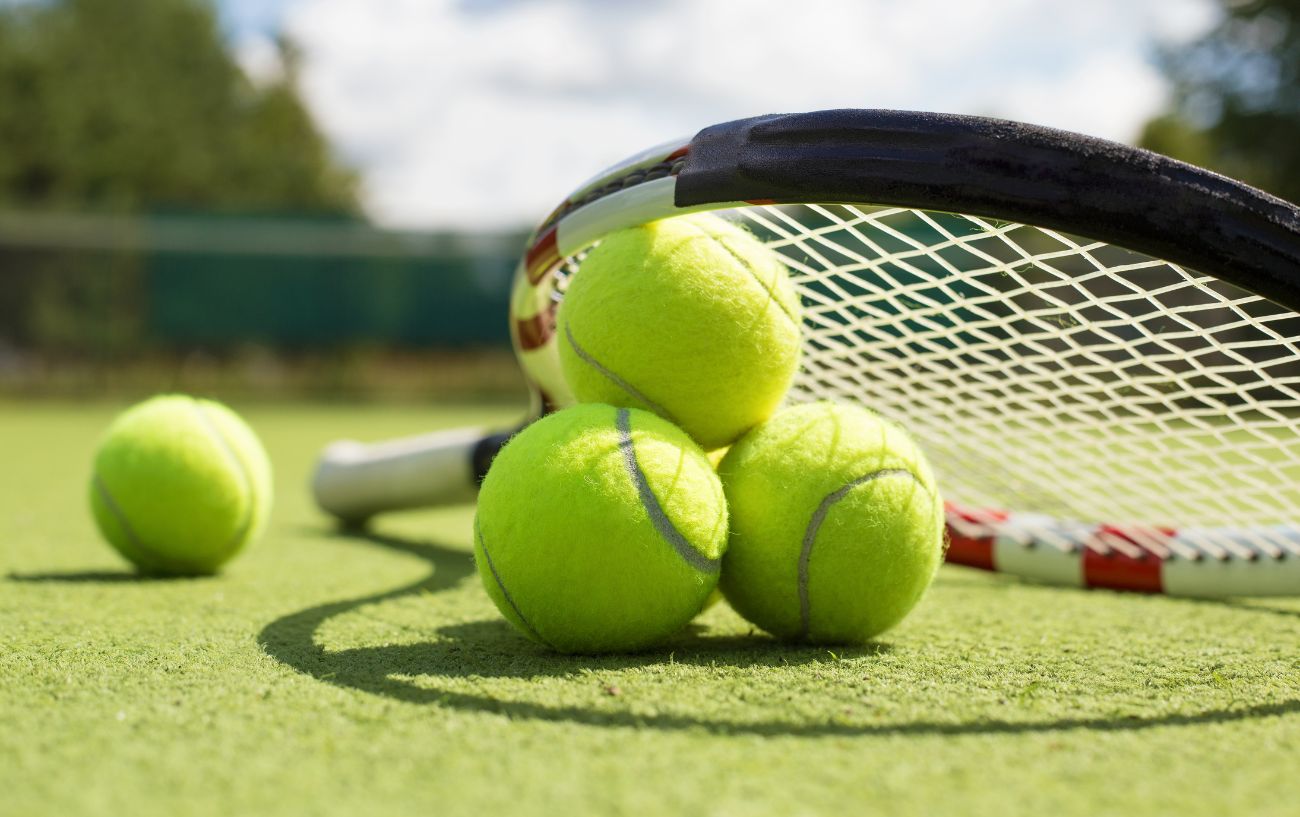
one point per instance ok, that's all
(281, 282)
(315, 301)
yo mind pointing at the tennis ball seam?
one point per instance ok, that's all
(753, 274)
(814, 525)
(245, 478)
(662, 524)
(636, 393)
(659, 520)
(123, 522)
(501, 585)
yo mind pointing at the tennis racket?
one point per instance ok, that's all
(1098, 346)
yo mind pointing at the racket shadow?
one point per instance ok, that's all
(491, 649)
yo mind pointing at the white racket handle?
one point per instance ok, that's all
(354, 481)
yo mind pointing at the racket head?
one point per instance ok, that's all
(1099, 347)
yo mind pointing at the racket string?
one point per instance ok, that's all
(1055, 374)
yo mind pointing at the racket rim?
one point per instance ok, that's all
(1122, 195)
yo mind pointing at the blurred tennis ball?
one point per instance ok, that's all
(692, 318)
(600, 529)
(180, 485)
(837, 526)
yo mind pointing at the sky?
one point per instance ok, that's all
(484, 114)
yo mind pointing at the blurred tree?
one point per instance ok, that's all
(1237, 97)
(106, 105)
(126, 107)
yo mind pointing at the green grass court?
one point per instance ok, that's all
(326, 673)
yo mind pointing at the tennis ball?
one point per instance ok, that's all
(600, 529)
(837, 527)
(180, 485)
(691, 318)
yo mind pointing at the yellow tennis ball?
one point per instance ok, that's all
(600, 529)
(180, 485)
(837, 525)
(692, 318)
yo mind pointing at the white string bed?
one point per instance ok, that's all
(1048, 373)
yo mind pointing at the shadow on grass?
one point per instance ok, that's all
(1250, 607)
(492, 649)
(100, 577)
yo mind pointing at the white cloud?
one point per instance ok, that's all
(484, 114)
(1108, 95)
(259, 58)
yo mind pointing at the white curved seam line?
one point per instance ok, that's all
(618, 381)
(244, 476)
(118, 514)
(496, 577)
(810, 536)
(771, 293)
(650, 502)
(753, 273)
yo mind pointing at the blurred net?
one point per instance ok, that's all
(1049, 373)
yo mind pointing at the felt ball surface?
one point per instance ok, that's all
(180, 485)
(837, 524)
(692, 318)
(600, 529)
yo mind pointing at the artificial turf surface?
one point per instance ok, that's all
(328, 673)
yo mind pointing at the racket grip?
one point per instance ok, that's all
(355, 481)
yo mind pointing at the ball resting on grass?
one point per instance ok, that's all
(692, 318)
(600, 529)
(180, 485)
(837, 526)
